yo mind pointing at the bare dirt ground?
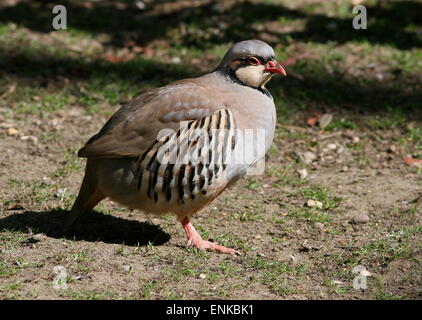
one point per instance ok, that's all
(288, 250)
(366, 209)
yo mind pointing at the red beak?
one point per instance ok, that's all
(275, 67)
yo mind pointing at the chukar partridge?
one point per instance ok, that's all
(148, 157)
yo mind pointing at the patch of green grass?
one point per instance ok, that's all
(10, 237)
(311, 214)
(322, 194)
(340, 124)
(394, 117)
(285, 176)
(80, 259)
(252, 185)
(36, 191)
(393, 246)
(21, 263)
(41, 191)
(276, 284)
(410, 211)
(414, 137)
(197, 254)
(41, 104)
(228, 268)
(251, 213)
(11, 268)
(384, 295)
(12, 286)
(88, 294)
(188, 271)
(11, 290)
(171, 295)
(277, 219)
(148, 288)
(271, 274)
(83, 268)
(231, 241)
(70, 163)
(315, 214)
(408, 61)
(6, 270)
(121, 251)
(213, 277)
(337, 288)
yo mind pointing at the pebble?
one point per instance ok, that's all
(319, 225)
(392, 149)
(39, 237)
(176, 60)
(32, 139)
(344, 169)
(314, 203)
(360, 219)
(303, 173)
(61, 193)
(332, 146)
(140, 5)
(308, 157)
(379, 76)
(340, 150)
(12, 132)
(127, 268)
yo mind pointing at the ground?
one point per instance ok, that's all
(57, 88)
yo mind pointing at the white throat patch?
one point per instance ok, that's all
(253, 76)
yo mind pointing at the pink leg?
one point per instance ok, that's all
(195, 239)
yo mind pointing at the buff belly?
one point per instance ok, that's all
(119, 180)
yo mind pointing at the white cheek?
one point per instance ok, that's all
(252, 75)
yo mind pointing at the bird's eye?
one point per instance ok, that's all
(253, 61)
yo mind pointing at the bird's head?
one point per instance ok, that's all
(252, 62)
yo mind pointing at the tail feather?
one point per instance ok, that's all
(89, 196)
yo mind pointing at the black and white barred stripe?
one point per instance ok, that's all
(182, 181)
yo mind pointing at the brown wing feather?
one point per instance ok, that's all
(135, 126)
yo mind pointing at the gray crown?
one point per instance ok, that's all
(247, 48)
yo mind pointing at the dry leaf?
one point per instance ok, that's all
(12, 132)
(413, 162)
(325, 120)
(118, 59)
(137, 49)
(312, 121)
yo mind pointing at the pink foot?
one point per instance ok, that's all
(194, 239)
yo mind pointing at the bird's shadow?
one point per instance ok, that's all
(93, 226)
